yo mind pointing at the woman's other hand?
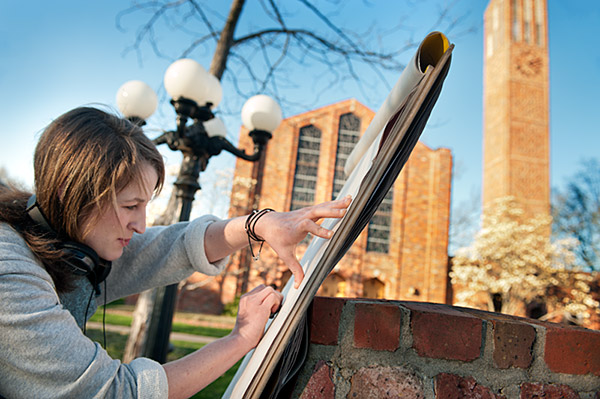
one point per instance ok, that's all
(253, 312)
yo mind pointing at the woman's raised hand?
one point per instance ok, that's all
(284, 230)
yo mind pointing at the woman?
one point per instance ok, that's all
(94, 176)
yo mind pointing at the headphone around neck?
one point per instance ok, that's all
(80, 258)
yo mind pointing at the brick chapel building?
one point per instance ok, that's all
(402, 253)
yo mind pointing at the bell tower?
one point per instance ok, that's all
(516, 142)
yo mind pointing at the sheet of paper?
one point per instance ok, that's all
(430, 50)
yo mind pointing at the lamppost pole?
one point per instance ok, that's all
(194, 93)
(253, 201)
(159, 330)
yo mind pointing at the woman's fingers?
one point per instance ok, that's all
(283, 231)
(289, 258)
(254, 310)
(265, 296)
(332, 209)
(273, 301)
(319, 231)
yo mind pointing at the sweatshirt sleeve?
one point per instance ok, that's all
(161, 256)
(44, 354)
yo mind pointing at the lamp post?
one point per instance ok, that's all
(257, 121)
(199, 136)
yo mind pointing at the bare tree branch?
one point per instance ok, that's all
(327, 46)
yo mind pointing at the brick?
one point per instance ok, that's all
(320, 385)
(377, 326)
(513, 344)
(450, 386)
(325, 321)
(442, 332)
(572, 350)
(493, 316)
(547, 391)
(385, 382)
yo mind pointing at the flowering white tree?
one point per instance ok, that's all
(512, 263)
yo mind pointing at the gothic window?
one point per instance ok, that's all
(536, 308)
(516, 28)
(378, 233)
(527, 6)
(333, 286)
(307, 162)
(499, 24)
(489, 45)
(496, 18)
(495, 34)
(374, 288)
(497, 302)
(348, 135)
(539, 34)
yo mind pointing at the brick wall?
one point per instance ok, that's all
(385, 349)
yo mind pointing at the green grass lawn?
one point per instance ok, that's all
(116, 344)
(124, 320)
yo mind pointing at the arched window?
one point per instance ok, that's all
(378, 233)
(334, 286)
(527, 17)
(539, 23)
(307, 163)
(516, 24)
(348, 135)
(536, 309)
(373, 288)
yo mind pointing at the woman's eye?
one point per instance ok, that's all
(131, 207)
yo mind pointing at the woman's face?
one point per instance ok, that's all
(112, 231)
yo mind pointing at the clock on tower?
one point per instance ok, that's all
(528, 63)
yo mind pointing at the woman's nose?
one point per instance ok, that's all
(138, 224)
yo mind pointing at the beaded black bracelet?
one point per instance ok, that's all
(249, 227)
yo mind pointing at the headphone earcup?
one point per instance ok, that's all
(84, 261)
(82, 258)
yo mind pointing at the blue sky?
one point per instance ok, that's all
(60, 54)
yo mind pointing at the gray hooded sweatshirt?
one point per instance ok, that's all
(43, 352)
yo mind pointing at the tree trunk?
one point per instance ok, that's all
(219, 61)
(139, 326)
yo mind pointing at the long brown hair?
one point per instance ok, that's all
(82, 160)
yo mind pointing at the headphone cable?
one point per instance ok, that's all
(103, 314)
(86, 311)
